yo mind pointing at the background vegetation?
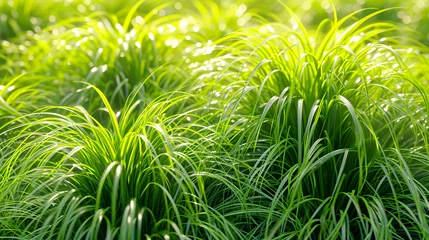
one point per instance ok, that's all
(214, 119)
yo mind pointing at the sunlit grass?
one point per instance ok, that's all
(203, 120)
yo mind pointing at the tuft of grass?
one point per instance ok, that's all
(328, 125)
(70, 177)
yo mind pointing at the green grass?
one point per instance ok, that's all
(203, 120)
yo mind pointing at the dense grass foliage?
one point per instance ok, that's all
(213, 120)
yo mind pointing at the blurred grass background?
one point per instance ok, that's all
(20, 16)
(65, 40)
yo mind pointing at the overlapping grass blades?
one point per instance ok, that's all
(337, 135)
(71, 177)
(267, 132)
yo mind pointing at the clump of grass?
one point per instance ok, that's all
(333, 131)
(115, 56)
(141, 177)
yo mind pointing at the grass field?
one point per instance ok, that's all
(214, 119)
